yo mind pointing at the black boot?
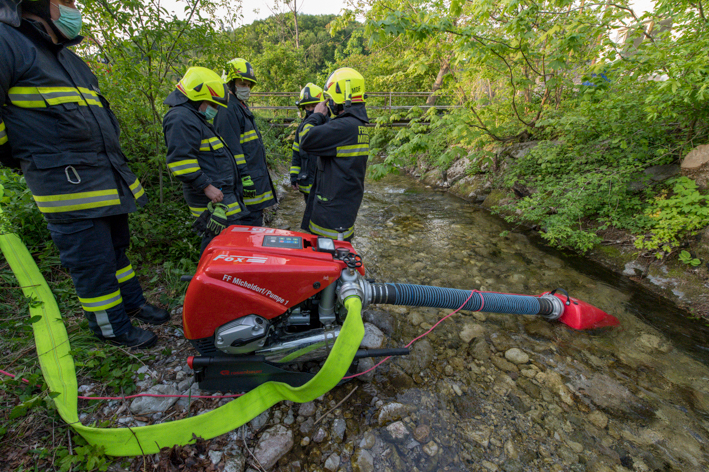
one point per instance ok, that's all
(150, 314)
(134, 338)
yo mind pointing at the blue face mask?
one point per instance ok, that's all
(69, 21)
(210, 113)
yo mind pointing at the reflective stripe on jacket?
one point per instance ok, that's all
(57, 127)
(236, 125)
(342, 145)
(198, 156)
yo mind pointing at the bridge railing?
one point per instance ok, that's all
(279, 107)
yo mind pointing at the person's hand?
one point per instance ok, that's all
(321, 108)
(213, 193)
(294, 186)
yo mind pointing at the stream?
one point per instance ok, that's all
(495, 392)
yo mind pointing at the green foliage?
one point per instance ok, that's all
(20, 214)
(675, 216)
(86, 458)
(686, 258)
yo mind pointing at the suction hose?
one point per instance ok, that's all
(547, 306)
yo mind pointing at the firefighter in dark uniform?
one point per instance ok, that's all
(56, 126)
(304, 165)
(236, 124)
(196, 154)
(342, 145)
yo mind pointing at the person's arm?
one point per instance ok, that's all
(183, 141)
(295, 164)
(7, 67)
(322, 137)
(227, 125)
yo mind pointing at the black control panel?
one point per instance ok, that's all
(290, 242)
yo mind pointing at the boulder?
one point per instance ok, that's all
(274, 443)
(696, 165)
(654, 174)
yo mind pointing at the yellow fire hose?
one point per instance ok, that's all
(57, 366)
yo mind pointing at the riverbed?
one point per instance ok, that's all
(501, 392)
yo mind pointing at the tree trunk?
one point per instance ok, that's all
(445, 67)
(295, 20)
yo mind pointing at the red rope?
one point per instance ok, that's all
(421, 336)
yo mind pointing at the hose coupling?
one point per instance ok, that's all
(557, 307)
(352, 283)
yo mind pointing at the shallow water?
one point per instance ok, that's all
(629, 398)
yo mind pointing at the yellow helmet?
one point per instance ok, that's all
(239, 69)
(200, 83)
(310, 95)
(345, 86)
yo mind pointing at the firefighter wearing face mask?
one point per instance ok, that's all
(196, 154)
(236, 124)
(304, 165)
(57, 127)
(342, 147)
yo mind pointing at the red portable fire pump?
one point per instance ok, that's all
(266, 304)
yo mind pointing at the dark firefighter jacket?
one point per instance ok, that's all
(342, 145)
(303, 165)
(199, 157)
(237, 126)
(57, 127)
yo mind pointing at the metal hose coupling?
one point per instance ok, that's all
(352, 283)
(551, 307)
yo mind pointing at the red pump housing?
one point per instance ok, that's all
(254, 270)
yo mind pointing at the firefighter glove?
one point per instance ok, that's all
(200, 224)
(249, 187)
(217, 219)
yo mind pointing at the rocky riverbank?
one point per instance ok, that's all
(684, 285)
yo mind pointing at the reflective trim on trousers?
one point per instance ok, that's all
(125, 274)
(76, 201)
(104, 324)
(103, 302)
(330, 233)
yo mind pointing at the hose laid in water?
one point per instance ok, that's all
(439, 297)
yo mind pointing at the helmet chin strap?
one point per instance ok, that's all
(348, 94)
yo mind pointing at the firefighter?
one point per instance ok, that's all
(236, 124)
(303, 165)
(196, 154)
(58, 128)
(342, 145)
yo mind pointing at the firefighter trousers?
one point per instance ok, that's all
(94, 251)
